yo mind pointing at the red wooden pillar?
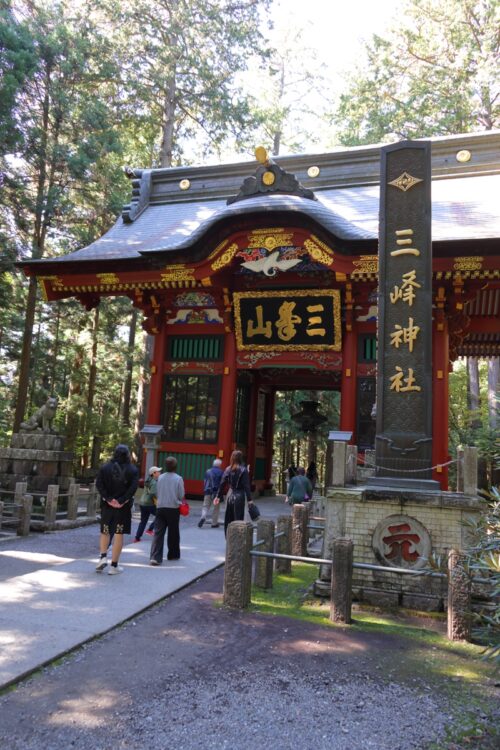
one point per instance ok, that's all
(228, 400)
(349, 380)
(440, 397)
(156, 383)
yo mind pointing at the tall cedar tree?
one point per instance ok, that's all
(64, 127)
(436, 74)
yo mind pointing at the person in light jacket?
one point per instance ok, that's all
(170, 494)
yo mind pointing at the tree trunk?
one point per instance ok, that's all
(37, 252)
(93, 364)
(493, 395)
(130, 367)
(473, 398)
(143, 396)
(167, 142)
(53, 369)
(24, 363)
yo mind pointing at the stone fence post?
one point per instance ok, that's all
(51, 503)
(73, 501)
(470, 470)
(299, 530)
(19, 493)
(339, 463)
(238, 567)
(341, 587)
(26, 506)
(92, 501)
(459, 598)
(284, 543)
(351, 464)
(264, 565)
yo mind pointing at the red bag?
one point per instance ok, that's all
(184, 508)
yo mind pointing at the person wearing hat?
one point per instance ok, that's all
(147, 503)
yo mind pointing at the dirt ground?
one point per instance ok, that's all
(191, 637)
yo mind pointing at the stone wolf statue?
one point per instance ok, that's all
(41, 420)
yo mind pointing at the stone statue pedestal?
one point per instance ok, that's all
(37, 458)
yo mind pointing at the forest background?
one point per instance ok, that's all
(88, 87)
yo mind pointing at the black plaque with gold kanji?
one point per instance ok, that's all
(403, 440)
(292, 320)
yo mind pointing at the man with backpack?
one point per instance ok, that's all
(210, 488)
(116, 483)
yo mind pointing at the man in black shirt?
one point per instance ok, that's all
(116, 482)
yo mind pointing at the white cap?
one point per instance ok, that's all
(153, 469)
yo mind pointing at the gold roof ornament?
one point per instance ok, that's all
(262, 156)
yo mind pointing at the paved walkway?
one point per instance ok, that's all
(52, 600)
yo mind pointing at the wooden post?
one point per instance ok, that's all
(238, 568)
(341, 587)
(299, 530)
(470, 470)
(92, 501)
(73, 502)
(284, 543)
(26, 506)
(264, 565)
(459, 595)
(51, 503)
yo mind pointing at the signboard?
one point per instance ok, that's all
(403, 441)
(288, 321)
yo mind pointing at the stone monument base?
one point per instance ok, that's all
(37, 458)
(396, 528)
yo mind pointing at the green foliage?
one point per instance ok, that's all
(472, 426)
(483, 556)
(435, 74)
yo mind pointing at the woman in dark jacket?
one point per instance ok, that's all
(236, 482)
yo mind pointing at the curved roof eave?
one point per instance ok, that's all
(332, 222)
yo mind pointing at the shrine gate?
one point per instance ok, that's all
(254, 280)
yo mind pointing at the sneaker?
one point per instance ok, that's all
(136, 540)
(149, 532)
(101, 565)
(215, 525)
(153, 562)
(201, 522)
(113, 571)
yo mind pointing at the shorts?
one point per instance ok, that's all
(116, 520)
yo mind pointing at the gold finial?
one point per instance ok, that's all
(261, 155)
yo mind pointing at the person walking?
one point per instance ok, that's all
(170, 493)
(236, 481)
(210, 488)
(116, 482)
(147, 503)
(299, 488)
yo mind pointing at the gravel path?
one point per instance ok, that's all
(188, 674)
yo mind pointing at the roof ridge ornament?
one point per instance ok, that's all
(270, 178)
